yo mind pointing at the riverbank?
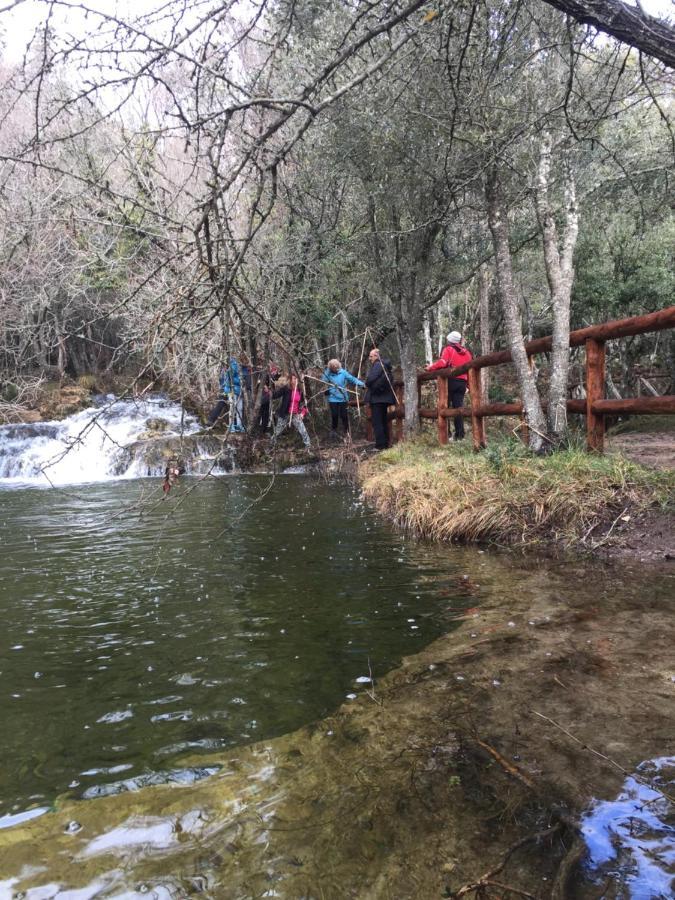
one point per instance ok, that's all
(504, 496)
(478, 755)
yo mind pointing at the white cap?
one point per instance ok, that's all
(454, 337)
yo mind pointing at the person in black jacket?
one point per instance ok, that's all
(380, 395)
(269, 378)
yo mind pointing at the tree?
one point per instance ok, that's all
(630, 24)
(307, 172)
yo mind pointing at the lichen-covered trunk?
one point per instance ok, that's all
(560, 276)
(485, 334)
(497, 220)
(406, 333)
(428, 349)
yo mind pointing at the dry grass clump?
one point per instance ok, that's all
(504, 494)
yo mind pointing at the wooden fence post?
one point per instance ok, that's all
(442, 404)
(595, 390)
(477, 422)
(369, 422)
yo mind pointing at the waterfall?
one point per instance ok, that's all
(98, 444)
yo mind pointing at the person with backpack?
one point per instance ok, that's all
(380, 395)
(453, 355)
(337, 380)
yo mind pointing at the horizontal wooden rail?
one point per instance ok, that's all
(644, 406)
(594, 407)
(494, 409)
(516, 409)
(656, 321)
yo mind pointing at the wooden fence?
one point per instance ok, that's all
(595, 407)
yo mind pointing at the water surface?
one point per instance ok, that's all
(138, 629)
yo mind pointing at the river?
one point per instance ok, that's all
(137, 628)
(155, 639)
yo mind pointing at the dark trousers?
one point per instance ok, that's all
(224, 406)
(378, 413)
(456, 391)
(338, 411)
(263, 422)
(221, 408)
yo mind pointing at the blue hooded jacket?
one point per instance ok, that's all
(337, 382)
(230, 378)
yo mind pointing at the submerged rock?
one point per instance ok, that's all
(199, 454)
(113, 438)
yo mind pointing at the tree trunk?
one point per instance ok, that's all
(560, 276)
(428, 349)
(318, 355)
(61, 351)
(439, 326)
(344, 350)
(406, 332)
(497, 220)
(630, 24)
(483, 284)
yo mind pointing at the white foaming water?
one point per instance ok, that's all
(88, 446)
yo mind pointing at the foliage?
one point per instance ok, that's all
(314, 181)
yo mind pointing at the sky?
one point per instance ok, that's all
(23, 16)
(19, 22)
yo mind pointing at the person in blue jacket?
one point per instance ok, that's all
(234, 377)
(337, 380)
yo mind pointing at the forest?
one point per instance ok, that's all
(297, 180)
(235, 667)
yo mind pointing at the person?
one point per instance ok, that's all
(292, 409)
(270, 378)
(337, 380)
(380, 396)
(232, 378)
(453, 355)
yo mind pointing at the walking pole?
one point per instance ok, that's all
(363, 347)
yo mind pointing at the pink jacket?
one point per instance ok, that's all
(295, 409)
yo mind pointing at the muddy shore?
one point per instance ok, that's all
(504, 729)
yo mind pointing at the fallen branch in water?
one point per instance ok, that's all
(612, 762)
(505, 764)
(487, 880)
(607, 536)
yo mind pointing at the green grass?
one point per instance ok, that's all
(505, 494)
(644, 424)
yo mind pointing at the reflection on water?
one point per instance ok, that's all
(632, 838)
(136, 631)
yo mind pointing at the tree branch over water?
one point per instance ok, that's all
(630, 24)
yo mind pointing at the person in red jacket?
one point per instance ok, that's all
(452, 356)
